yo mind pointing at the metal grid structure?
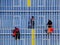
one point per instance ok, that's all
(17, 13)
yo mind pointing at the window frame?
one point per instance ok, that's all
(16, 5)
(44, 3)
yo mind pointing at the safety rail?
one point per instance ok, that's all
(45, 11)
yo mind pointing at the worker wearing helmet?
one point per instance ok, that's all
(16, 33)
(49, 24)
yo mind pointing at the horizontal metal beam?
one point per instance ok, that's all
(29, 11)
(30, 33)
(26, 29)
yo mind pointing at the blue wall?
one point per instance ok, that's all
(18, 14)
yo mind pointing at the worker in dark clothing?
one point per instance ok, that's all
(16, 33)
(32, 22)
(49, 23)
(50, 29)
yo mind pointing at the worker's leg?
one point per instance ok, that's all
(18, 35)
(33, 26)
(49, 34)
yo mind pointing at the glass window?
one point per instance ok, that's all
(41, 3)
(6, 3)
(41, 21)
(17, 3)
(17, 21)
(7, 21)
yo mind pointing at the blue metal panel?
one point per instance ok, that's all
(11, 15)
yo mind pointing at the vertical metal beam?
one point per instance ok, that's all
(33, 37)
(29, 3)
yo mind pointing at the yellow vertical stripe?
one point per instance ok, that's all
(33, 37)
(29, 3)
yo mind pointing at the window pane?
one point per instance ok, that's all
(41, 3)
(17, 3)
(3, 2)
(6, 3)
(7, 21)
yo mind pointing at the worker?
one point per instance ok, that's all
(32, 22)
(16, 33)
(50, 29)
(49, 24)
